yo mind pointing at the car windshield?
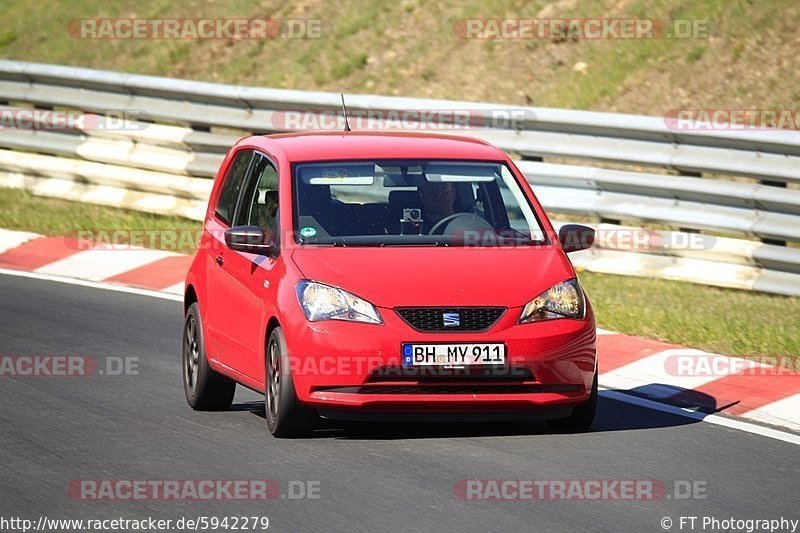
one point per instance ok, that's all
(417, 203)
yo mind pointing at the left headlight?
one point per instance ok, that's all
(564, 300)
(325, 302)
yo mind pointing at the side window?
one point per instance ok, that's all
(260, 202)
(232, 185)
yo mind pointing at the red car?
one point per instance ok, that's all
(386, 275)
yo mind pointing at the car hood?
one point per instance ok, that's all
(437, 276)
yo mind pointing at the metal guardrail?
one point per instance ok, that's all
(735, 183)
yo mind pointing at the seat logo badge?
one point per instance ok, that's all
(451, 320)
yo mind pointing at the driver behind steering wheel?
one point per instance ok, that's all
(438, 202)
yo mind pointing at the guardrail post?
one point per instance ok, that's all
(775, 242)
(770, 183)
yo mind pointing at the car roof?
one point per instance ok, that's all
(328, 146)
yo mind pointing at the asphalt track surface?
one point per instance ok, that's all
(386, 477)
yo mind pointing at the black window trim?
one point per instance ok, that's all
(244, 183)
(248, 181)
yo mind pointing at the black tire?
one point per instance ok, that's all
(286, 416)
(205, 389)
(582, 415)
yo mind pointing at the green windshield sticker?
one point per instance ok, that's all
(308, 231)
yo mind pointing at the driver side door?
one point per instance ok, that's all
(252, 277)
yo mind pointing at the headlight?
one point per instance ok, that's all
(323, 302)
(560, 301)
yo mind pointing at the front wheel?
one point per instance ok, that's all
(582, 416)
(286, 416)
(205, 389)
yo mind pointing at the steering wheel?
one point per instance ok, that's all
(435, 230)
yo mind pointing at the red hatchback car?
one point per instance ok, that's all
(373, 275)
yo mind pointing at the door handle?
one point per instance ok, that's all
(220, 260)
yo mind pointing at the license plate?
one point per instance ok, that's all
(453, 354)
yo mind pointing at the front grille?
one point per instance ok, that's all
(450, 318)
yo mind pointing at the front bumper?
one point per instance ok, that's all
(354, 367)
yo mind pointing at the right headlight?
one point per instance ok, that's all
(564, 300)
(325, 302)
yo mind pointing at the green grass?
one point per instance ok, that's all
(409, 48)
(20, 210)
(719, 320)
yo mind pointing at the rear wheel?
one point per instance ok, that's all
(582, 416)
(206, 390)
(286, 416)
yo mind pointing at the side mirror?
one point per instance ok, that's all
(248, 239)
(574, 237)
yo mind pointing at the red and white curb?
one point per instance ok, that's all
(64, 256)
(688, 380)
(699, 381)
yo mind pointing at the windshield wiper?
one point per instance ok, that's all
(423, 243)
(381, 241)
(520, 234)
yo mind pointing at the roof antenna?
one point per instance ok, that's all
(344, 109)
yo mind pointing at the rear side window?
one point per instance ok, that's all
(233, 185)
